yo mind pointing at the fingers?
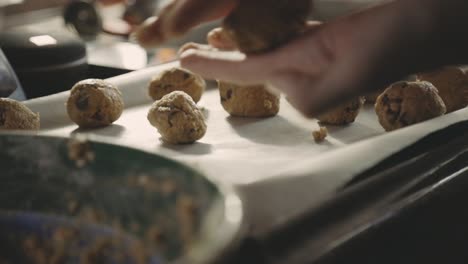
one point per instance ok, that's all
(150, 33)
(231, 66)
(235, 66)
(219, 39)
(178, 17)
(195, 46)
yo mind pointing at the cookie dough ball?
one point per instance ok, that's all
(248, 101)
(320, 135)
(177, 118)
(407, 103)
(452, 84)
(16, 116)
(94, 103)
(261, 25)
(343, 114)
(177, 79)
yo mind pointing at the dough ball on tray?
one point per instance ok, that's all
(248, 101)
(177, 118)
(94, 103)
(16, 116)
(406, 103)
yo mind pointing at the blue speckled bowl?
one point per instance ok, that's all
(83, 201)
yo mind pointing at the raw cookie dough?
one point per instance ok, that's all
(261, 25)
(343, 114)
(320, 134)
(407, 103)
(94, 103)
(248, 101)
(177, 118)
(177, 79)
(16, 116)
(452, 84)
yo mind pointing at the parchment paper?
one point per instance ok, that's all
(275, 162)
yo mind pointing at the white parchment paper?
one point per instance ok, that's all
(275, 162)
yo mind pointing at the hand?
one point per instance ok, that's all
(347, 57)
(179, 17)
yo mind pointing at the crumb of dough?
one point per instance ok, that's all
(320, 134)
(406, 103)
(248, 101)
(177, 79)
(16, 116)
(343, 114)
(452, 84)
(177, 118)
(94, 103)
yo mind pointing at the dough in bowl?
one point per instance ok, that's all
(406, 103)
(94, 103)
(177, 118)
(16, 116)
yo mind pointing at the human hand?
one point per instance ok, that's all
(179, 16)
(344, 58)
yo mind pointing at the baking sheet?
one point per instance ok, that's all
(274, 161)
